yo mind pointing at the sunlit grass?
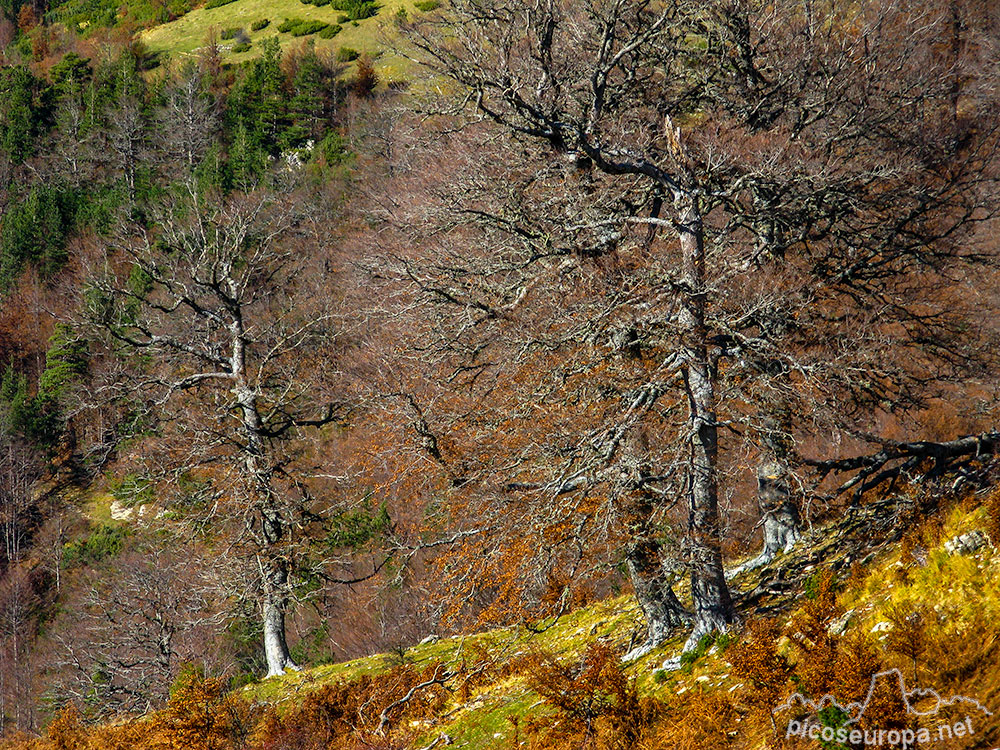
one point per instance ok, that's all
(183, 38)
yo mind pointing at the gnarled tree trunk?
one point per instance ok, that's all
(710, 596)
(778, 511)
(651, 579)
(653, 585)
(779, 516)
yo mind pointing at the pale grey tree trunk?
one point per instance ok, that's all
(710, 596)
(779, 516)
(275, 605)
(271, 529)
(778, 511)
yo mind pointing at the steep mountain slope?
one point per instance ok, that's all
(875, 599)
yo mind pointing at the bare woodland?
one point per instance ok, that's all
(635, 297)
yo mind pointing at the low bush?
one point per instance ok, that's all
(690, 658)
(131, 490)
(217, 3)
(351, 715)
(106, 541)
(288, 24)
(230, 33)
(366, 79)
(696, 720)
(596, 704)
(427, 5)
(309, 27)
(334, 149)
(757, 661)
(241, 47)
(347, 54)
(301, 27)
(330, 31)
(260, 23)
(356, 10)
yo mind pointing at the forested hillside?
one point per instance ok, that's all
(597, 347)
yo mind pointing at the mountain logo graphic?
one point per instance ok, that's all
(914, 700)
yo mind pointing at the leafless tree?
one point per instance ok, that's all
(139, 623)
(189, 120)
(127, 136)
(210, 298)
(19, 470)
(744, 215)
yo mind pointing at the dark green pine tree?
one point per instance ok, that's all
(307, 107)
(34, 231)
(256, 116)
(20, 112)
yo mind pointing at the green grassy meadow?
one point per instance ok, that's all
(185, 36)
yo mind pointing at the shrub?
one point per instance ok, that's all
(330, 31)
(908, 636)
(65, 363)
(596, 704)
(217, 3)
(309, 27)
(33, 417)
(241, 47)
(810, 632)
(347, 54)
(690, 658)
(697, 720)
(367, 79)
(106, 541)
(301, 27)
(68, 729)
(342, 19)
(200, 714)
(260, 23)
(356, 528)
(993, 516)
(756, 660)
(334, 149)
(427, 5)
(356, 10)
(330, 716)
(230, 33)
(131, 489)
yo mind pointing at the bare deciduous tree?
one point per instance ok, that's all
(756, 216)
(209, 298)
(139, 623)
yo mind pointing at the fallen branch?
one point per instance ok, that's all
(898, 459)
(441, 676)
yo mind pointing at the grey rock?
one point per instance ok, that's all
(840, 625)
(966, 544)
